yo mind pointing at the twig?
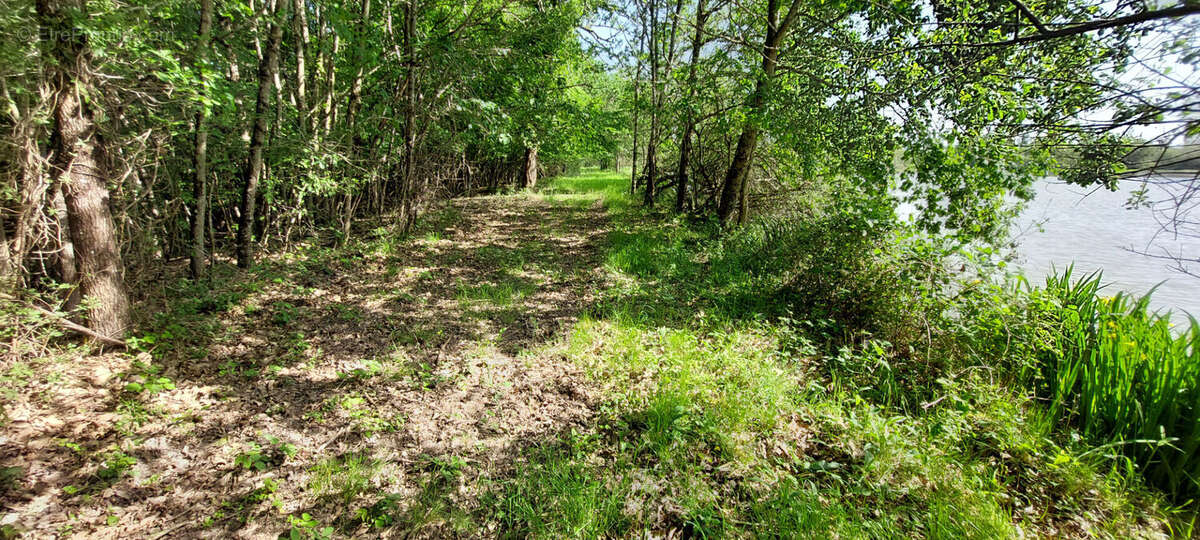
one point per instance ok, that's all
(68, 324)
(335, 437)
(180, 522)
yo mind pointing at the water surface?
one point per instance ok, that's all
(1094, 230)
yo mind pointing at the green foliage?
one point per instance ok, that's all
(558, 494)
(503, 293)
(283, 313)
(343, 477)
(116, 464)
(144, 379)
(1125, 376)
(259, 457)
(306, 527)
(740, 418)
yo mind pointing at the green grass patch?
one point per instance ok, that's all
(502, 293)
(343, 477)
(749, 392)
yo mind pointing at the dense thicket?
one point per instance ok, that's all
(140, 133)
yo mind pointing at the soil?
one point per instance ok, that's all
(441, 354)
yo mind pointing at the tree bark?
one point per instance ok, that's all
(355, 101)
(637, 109)
(200, 155)
(408, 183)
(529, 170)
(689, 122)
(68, 266)
(78, 165)
(300, 29)
(776, 31)
(254, 163)
(743, 188)
(331, 85)
(652, 142)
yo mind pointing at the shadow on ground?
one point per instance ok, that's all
(391, 373)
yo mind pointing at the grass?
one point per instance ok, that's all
(726, 397)
(502, 293)
(344, 477)
(725, 414)
(1126, 377)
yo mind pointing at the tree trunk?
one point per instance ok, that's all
(300, 29)
(355, 101)
(529, 170)
(8, 271)
(689, 122)
(200, 155)
(78, 165)
(652, 142)
(742, 191)
(68, 266)
(637, 109)
(328, 61)
(408, 184)
(254, 163)
(749, 138)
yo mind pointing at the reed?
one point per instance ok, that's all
(1127, 379)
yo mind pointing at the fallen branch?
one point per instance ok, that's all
(68, 324)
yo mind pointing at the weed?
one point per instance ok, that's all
(146, 379)
(306, 527)
(343, 477)
(369, 420)
(116, 464)
(283, 313)
(347, 313)
(260, 457)
(502, 293)
(370, 369)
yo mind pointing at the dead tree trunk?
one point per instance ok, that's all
(78, 165)
(258, 137)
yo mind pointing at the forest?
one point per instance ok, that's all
(588, 269)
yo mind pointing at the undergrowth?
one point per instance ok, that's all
(767, 383)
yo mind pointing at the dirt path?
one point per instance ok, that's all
(329, 382)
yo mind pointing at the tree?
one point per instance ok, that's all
(78, 167)
(267, 69)
(735, 176)
(200, 156)
(689, 121)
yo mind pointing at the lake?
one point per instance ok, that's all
(1093, 229)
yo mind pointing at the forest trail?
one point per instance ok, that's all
(389, 369)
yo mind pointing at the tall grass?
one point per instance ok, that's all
(1126, 378)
